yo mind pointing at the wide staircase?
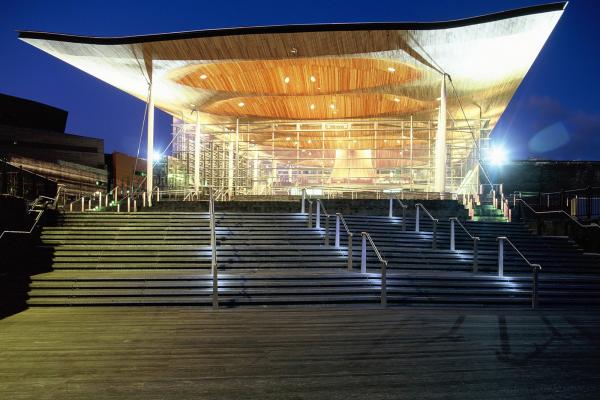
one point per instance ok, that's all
(164, 258)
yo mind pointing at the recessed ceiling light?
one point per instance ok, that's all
(391, 69)
(397, 100)
(286, 79)
(332, 106)
(310, 153)
(241, 104)
(203, 76)
(288, 138)
(354, 141)
(312, 106)
(192, 105)
(385, 140)
(313, 79)
(397, 141)
(309, 141)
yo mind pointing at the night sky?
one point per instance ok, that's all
(555, 114)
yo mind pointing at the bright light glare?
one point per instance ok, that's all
(497, 156)
(157, 155)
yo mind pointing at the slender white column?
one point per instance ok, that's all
(150, 146)
(230, 167)
(197, 155)
(440, 143)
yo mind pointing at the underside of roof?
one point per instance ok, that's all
(320, 72)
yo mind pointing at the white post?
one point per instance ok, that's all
(417, 219)
(363, 255)
(303, 210)
(134, 205)
(106, 199)
(440, 143)
(337, 231)
(100, 200)
(197, 154)
(500, 257)
(452, 245)
(118, 207)
(230, 167)
(144, 199)
(318, 220)
(128, 204)
(150, 145)
(157, 194)
(82, 204)
(90, 203)
(391, 213)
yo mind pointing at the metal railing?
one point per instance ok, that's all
(535, 268)
(363, 264)
(404, 207)
(213, 251)
(475, 239)
(340, 218)
(310, 213)
(39, 212)
(318, 220)
(556, 212)
(434, 220)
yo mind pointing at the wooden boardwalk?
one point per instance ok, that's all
(299, 353)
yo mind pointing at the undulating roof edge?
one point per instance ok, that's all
(297, 28)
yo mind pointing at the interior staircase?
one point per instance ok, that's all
(163, 258)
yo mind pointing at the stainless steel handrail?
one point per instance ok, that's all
(475, 239)
(318, 220)
(310, 213)
(339, 217)
(535, 268)
(213, 251)
(39, 214)
(562, 212)
(434, 220)
(363, 264)
(404, 207)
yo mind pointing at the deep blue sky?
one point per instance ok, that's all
(554, 115)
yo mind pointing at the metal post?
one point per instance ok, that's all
(337, 230)
(363, 255)
(310, 214)
(128, 204)
(417, 219)
(434, 243)
(403, 219)
(318, 219)
(134, 205)
(534, 285)
(150, 144)
(475, 255)
(326, 230)
(118, 207)
(384, 284)
(82, 204)
(391, 213)
(303, 207)
(500, 257)
(144, 199)
(90, 203)
(350, 237)
(452, 246)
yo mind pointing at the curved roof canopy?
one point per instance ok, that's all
(329, 71)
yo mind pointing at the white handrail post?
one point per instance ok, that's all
(106, 199)
(363, 254)
(90, 203)
(82, 204)
(118, 207)
(337, 230)
(128, 204)
(144, 199)
(71, 207)
(452, 245)
(318, 220)
(417, 219)
(157, 194)
(391, 213)
(303, 207)
(134, 205)
(100, 200)
(501, 257)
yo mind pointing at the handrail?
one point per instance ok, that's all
(590, 225)
(318, 220)
(475, 239)
(363, 264)
(535, 268)
(37, 218)
(82, 200)
(434, 220)
(213, 251)
(339, 217)
(310, 213)
(404, 207)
